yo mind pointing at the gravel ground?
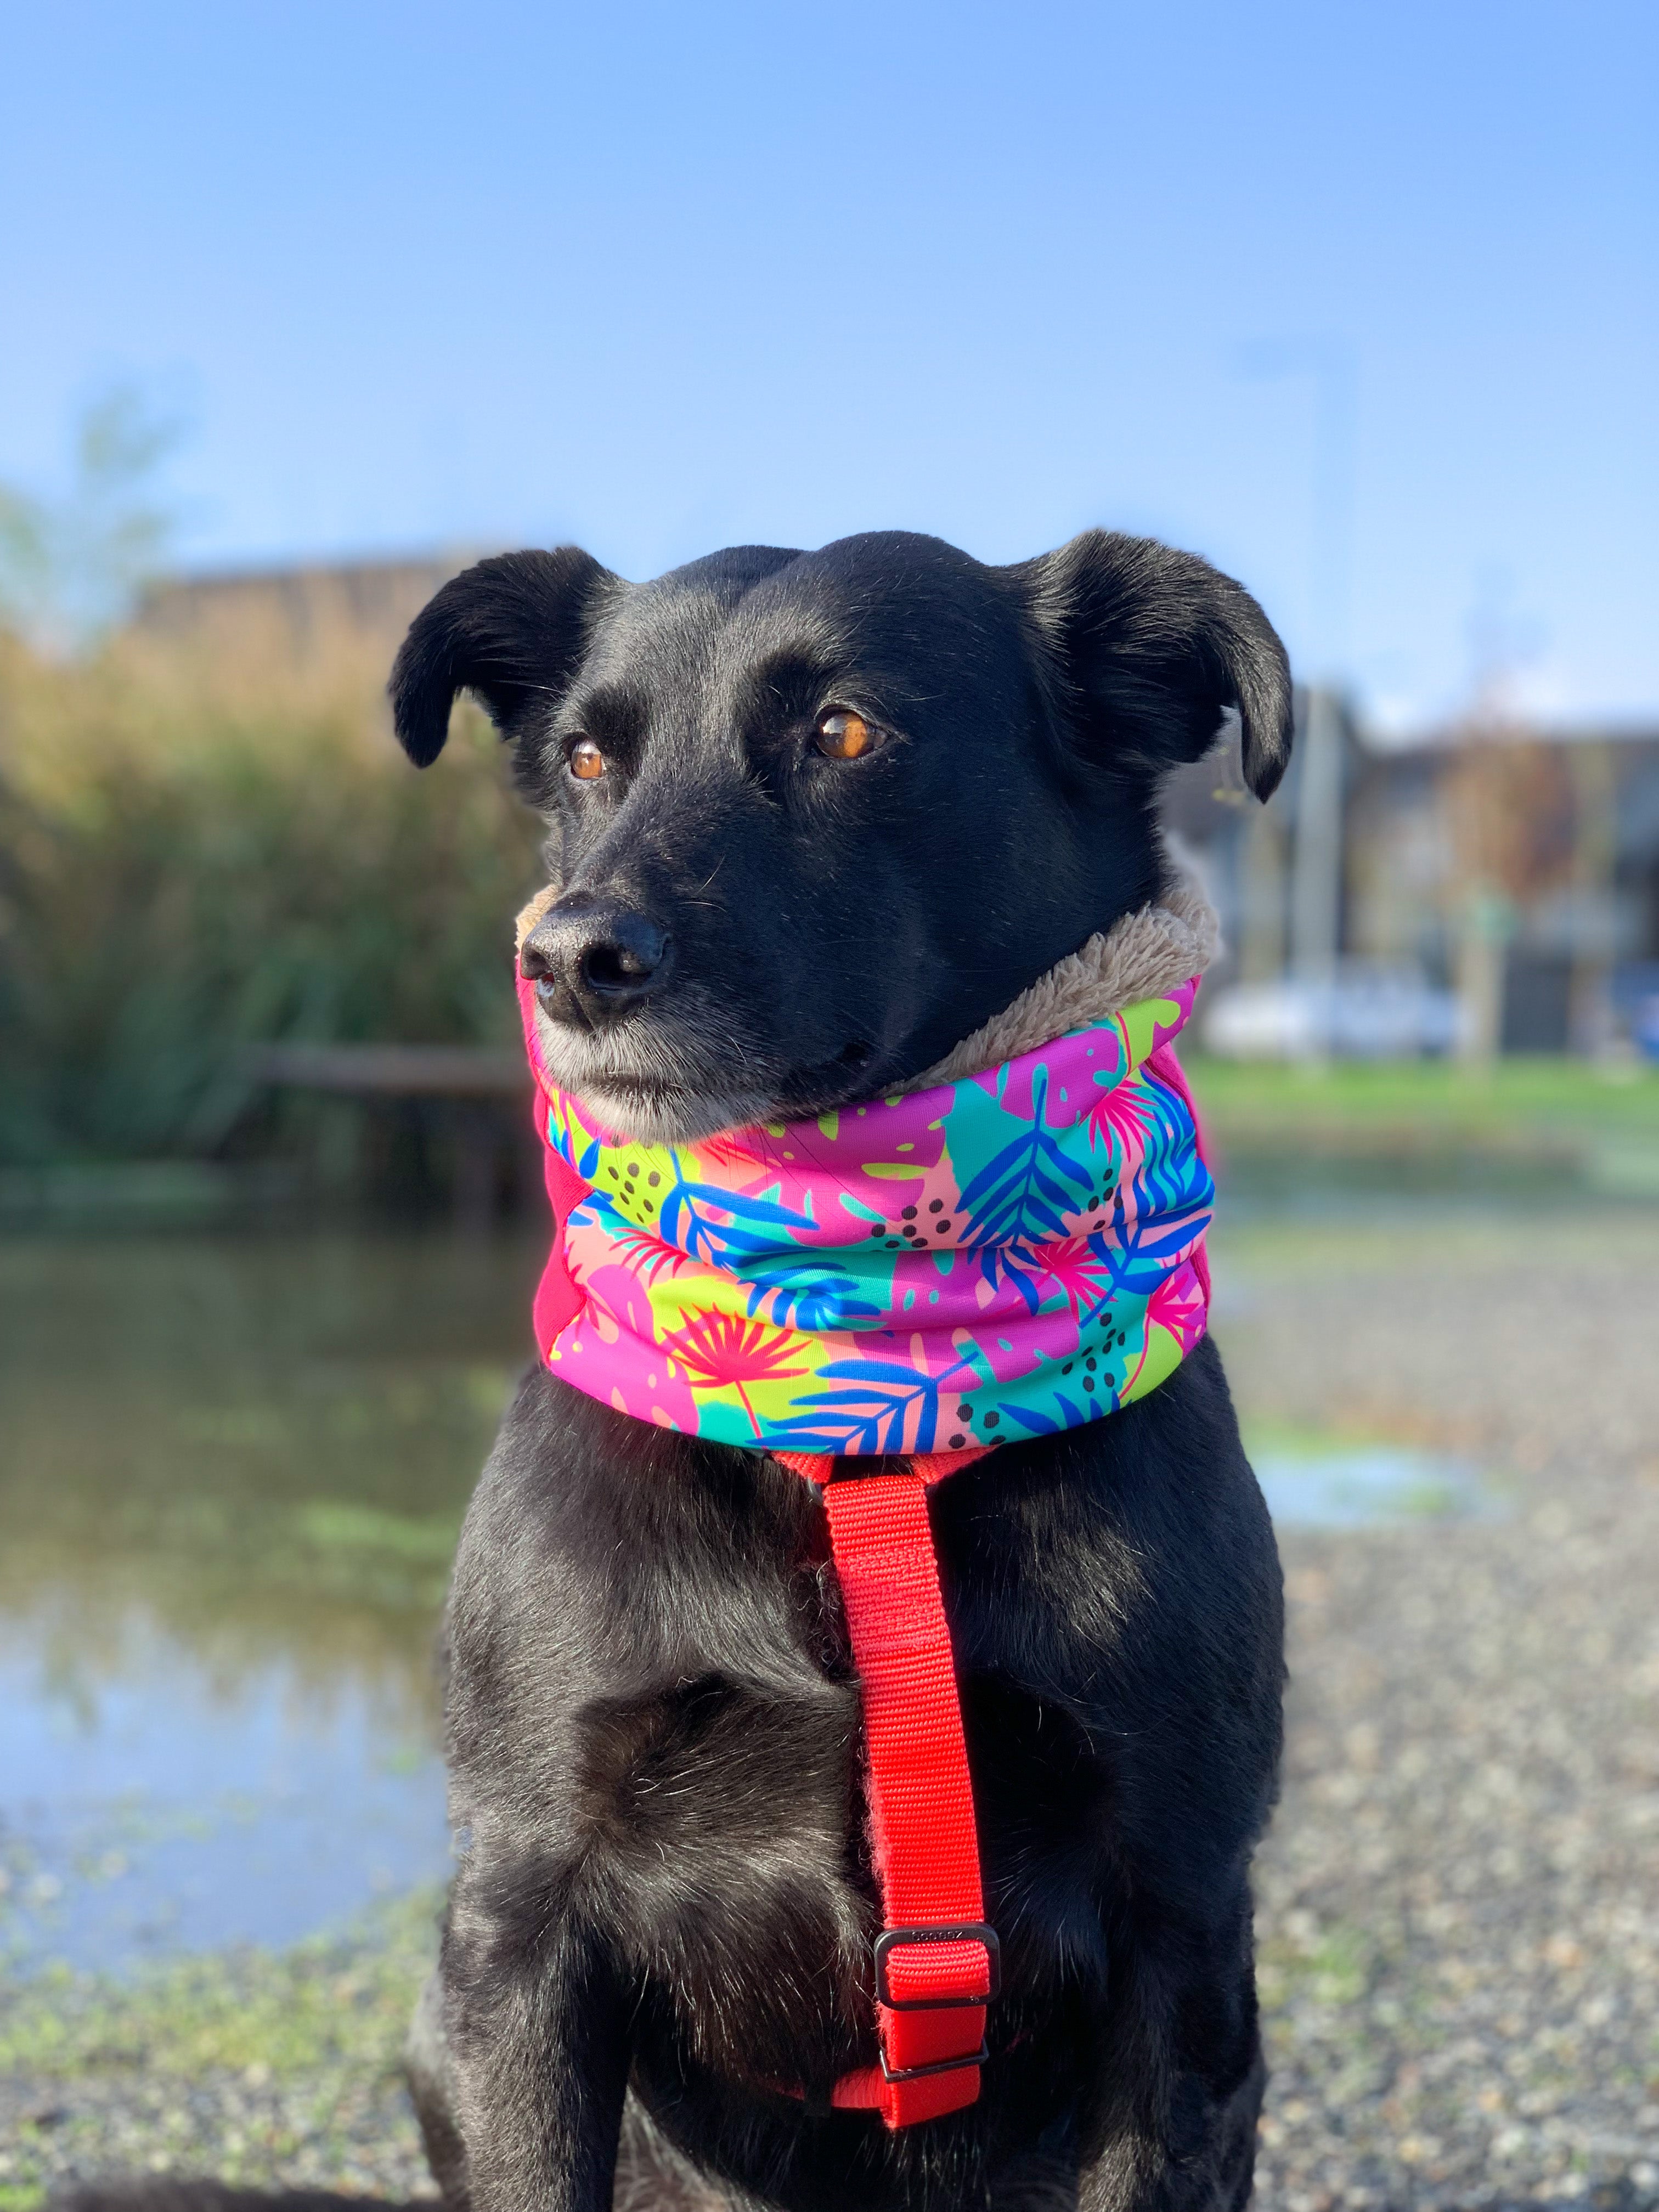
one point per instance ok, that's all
(1459, 1900)
(250, 2067)
(355, 2138)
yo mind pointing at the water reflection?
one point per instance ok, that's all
(154, 1808)
(232, 1476)
(1311, 1484)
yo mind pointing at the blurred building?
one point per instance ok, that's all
(1483, 887)
(298, 615)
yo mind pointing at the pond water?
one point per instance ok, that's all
(230, 1474)
(1312, 1484)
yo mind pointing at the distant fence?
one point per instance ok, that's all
(391, 1071)
(471, 1088)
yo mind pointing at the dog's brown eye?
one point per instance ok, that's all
(587, 760)
(842, 735)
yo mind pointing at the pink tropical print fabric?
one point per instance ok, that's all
(1008, 1256)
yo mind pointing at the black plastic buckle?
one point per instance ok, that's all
(971, 1931)
(939, 2066)
(863, 1466)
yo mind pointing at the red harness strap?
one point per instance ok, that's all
(936, 1960)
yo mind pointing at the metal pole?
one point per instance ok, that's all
(1316, 865)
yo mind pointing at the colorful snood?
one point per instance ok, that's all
(1006, 1256)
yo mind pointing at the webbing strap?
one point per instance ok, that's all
(923, 1836)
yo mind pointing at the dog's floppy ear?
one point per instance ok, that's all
(511, 630)
(1154, 646)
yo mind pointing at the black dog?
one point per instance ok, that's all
(815, 818)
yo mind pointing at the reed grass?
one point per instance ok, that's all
(203, 848)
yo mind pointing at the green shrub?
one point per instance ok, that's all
(195, 858)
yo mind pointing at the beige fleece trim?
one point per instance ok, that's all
(1139, 957)
(531, 915)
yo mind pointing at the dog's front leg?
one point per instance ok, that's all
(537, 2024)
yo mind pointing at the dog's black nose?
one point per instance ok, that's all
(594, 960)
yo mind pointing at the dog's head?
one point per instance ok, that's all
(815, 817)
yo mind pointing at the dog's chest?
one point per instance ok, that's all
(727, 1798)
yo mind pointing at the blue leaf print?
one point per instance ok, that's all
(1026, 1190)
(1014, 1264)
(873, 1417)
(1140, 1257)
(687, 1220)
(877, 1412)
(810, 1291)
(1038, 1423)
(1172, 1177)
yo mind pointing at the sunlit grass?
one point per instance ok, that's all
(1440, 1098)
(324, 2005)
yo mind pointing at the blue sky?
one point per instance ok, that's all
(1358, 300)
